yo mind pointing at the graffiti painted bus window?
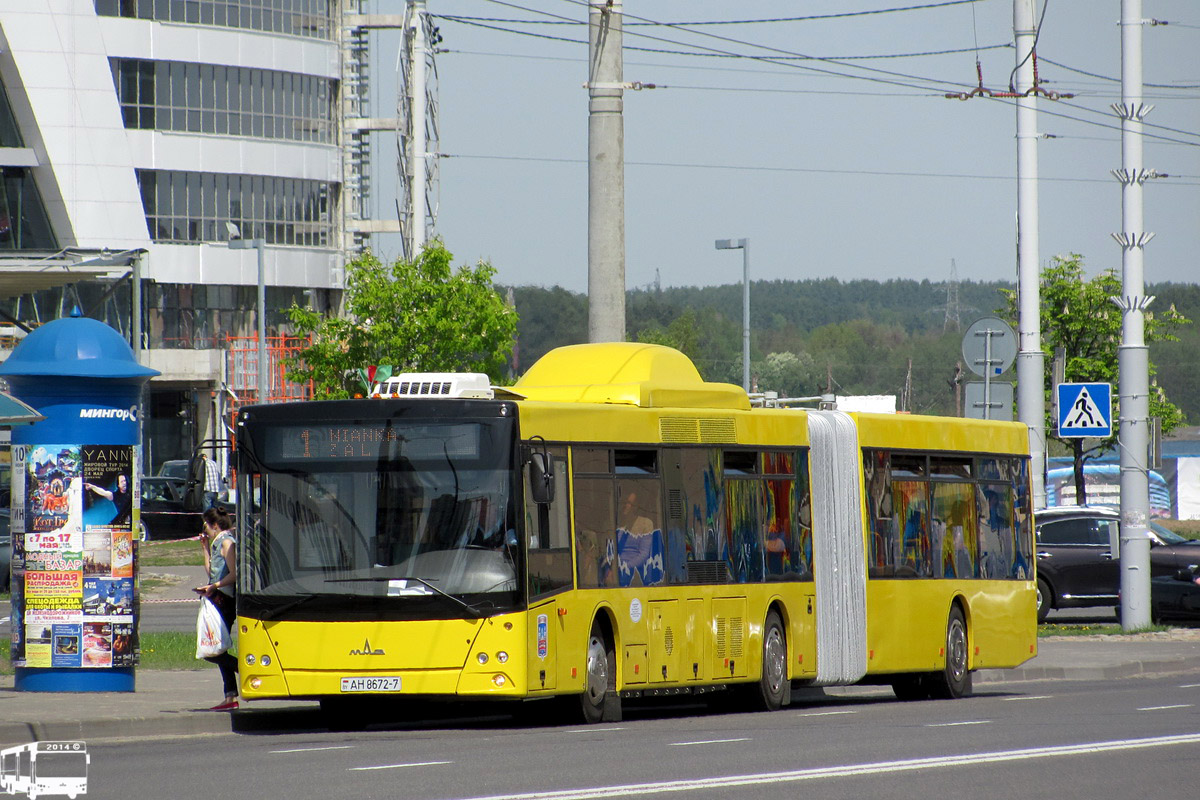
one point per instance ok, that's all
(639, 533)
(1023, 522)
(954, 530)
(744, 511)
(997, 535)
(912, 516)
(595, 540)
(877, 473)
(804, 524)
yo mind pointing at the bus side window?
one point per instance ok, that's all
(547, 529)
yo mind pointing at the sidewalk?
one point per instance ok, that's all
(171, 703)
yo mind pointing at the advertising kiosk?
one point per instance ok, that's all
(76, 494)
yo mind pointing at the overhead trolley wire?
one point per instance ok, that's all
(892, 78)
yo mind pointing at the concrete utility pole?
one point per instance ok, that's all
(1133, 360)
(1031, 366)
(419, 147)
(744, 246)
(606, 174)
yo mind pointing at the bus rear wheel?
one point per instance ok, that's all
(955, 678)
(599, 701)
(773, 685)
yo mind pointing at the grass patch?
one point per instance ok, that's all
(1187, 528)
(1102, 629)
(172, 650)
(173, 553)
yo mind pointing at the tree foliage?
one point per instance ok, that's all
(1079, 316)
(417, 316)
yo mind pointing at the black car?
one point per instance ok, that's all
(1076, 567)
(163, 513)
(1176, 597)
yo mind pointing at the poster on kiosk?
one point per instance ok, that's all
(75, 507)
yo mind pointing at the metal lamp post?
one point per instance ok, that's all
(744, 246)
(238, 243)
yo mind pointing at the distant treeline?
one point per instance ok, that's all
(897, 337)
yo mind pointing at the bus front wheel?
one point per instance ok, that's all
(599, 701)
(774, 686)
(955, 678)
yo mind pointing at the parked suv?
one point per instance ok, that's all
(1078, 562)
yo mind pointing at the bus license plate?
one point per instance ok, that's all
(385, 683)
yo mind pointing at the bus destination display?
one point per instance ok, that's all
(370, 441)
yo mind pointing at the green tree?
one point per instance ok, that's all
(1078, 316)
(416, 316)
(681, 333)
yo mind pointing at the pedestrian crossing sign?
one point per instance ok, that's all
(1084, 409)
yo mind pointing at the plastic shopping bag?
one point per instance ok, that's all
(212, 637)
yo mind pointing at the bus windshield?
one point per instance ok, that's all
(418, 523)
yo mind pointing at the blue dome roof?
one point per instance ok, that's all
(75, 347)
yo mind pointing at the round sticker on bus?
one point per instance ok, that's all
(635, 610)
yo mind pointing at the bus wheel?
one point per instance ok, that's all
(774, 686)
(1044, 600)
(599, 701)
(955, 678)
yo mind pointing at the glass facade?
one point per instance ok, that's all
(23, 221)
(193, 207)
(234, 101)
(311, 18)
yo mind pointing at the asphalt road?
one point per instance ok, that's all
(1031, 740)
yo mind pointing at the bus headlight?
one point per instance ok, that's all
(265, 660)
(249, 659)
(482, 658)
(502, 657)
(499, 680)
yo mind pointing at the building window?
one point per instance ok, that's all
(192, 207)
(309, 18)
(23, 221)
(236, 101)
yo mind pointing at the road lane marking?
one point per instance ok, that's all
(956, 724)
(1165, 708)
(597, 729)
(848, 770)
(1029, 697)
(313, 749)
(825, 713)
(708, 741)
(400, 766)
(1184, 686)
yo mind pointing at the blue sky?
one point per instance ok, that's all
(831, 168)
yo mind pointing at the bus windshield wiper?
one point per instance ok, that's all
(475, 612)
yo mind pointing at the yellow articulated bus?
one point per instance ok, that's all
(613, 526)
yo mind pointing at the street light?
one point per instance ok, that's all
(744, 246)
(236, 242)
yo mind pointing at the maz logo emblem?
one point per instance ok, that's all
(367, 651)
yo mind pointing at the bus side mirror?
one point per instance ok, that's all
(541, 478)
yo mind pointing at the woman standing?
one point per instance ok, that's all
(220, 562)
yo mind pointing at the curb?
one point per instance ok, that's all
(1128, 669)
